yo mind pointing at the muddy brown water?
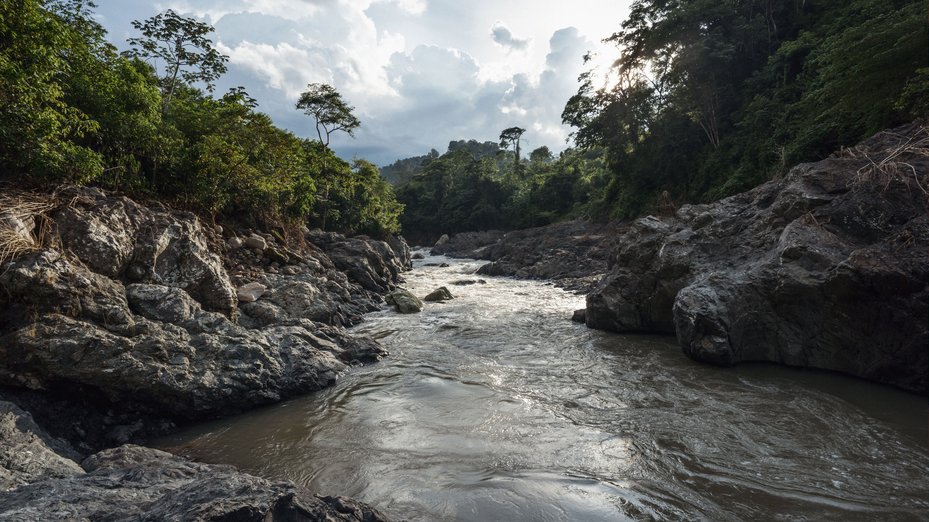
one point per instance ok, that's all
(495, 406)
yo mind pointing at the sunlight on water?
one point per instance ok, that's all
(494, 406)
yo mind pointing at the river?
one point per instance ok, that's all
(495, 406)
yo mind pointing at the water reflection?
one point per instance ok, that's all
(495, 407)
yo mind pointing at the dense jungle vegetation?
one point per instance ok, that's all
(710, 98)
(74, 110)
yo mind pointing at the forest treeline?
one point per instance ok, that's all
(74, 110)
(708, 98)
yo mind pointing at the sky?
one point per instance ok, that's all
(419, 73)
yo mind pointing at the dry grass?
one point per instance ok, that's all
(897, 164)
(16, 209)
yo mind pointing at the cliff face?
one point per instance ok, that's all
(826, 268)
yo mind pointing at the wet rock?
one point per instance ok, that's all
(467, 282)
(579, 316)
(439, 294)
(404, 301)
(418, 255)
(825, 268)
(28, 454)
(135, 483)
(256, 242)
(250, 292)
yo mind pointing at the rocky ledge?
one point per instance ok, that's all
(118, 320)
(572, 254)
(825, 268)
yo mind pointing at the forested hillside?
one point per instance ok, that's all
(709, 98)
(74, 110)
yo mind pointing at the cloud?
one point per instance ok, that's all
(502, 35)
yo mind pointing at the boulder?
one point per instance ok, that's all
(256, 242)
(439, 294)
(28, 454)
(442, 240)
(404, 301)
(251, 292)
(136, 483)
(825, 268)
(235, 243)
(579, 316)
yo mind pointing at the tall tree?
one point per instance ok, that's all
(184, 46)
(332, 114)
(510, 137)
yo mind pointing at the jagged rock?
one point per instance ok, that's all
(442, 240)
(439, 294)
(109, 234)
(372, 264)
(28, 454)
(402, 251)
(256, 242)
(404, 301)
(825, 268)
(277, 255)
(467, 244)
(161, 303)
(135, 483)
(250, 292)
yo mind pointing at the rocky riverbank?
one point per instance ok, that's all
(825, 268)
(119, 320)
(572, 254)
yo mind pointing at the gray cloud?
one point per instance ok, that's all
(503, 36)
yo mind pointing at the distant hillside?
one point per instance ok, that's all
(403, 170)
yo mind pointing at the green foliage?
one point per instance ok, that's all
(331, 112)
(184, 47)
(717, 96)
(73, 110)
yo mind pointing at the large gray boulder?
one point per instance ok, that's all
(132, 483)
(27, 453)
(825, 268)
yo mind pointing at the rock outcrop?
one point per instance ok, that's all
(128, 318)
(825, 268)
(136, 483)
(573, 254)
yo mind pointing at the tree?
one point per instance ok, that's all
(183, 44)
(332, 113)
(510, 137)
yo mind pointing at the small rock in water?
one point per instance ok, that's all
(251, 292)
(444, 265)
(580, 316)
(438, 295)
(418, 255)
(404, 301)
(466, 282)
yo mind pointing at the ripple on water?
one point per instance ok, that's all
(494, 406)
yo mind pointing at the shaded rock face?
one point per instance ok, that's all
(466, 244)
(26, 451)
(826, 268)
(136, 483)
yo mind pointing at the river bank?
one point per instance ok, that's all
(824, 268)
(495, 406)
(120, 321)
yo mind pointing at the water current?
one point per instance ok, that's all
(495, 406)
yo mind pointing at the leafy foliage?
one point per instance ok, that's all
(74, 110)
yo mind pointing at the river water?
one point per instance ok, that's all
(495, 406)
